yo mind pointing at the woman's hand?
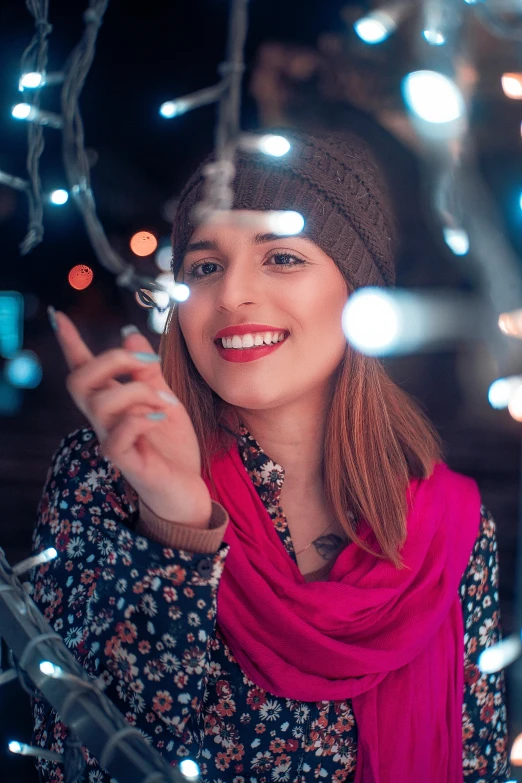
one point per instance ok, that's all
(141, 426)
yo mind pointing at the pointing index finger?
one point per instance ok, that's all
(73, 347)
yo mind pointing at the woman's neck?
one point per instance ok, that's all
(294, 440)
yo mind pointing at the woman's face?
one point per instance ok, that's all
(238, 276)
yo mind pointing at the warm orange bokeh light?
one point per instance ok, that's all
(80, 277)
(143, 243)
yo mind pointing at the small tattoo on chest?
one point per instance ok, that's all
(328, 546)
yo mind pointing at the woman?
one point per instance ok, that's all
(273, 570)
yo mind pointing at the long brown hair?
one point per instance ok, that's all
(376, 439)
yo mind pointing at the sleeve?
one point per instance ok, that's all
(484, 721)
(136, 614)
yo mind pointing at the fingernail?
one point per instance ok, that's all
(146, 357)
(51, 312)
(156, 416)
(168, 397)
(126, 331)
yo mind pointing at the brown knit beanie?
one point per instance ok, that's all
(332, 180)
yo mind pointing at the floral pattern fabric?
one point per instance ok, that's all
(143, 618)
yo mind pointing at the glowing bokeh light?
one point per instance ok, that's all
(163, 258)
(171, 109)
(15, 746)
(24, 370)
(59, 197)
(285, 223)
(371, 321)
(375, 27)
(457, 240)
(434, 37)
(50, 669)
(516, 752)
(21, 111)
(31, 80)
(274, 145)
(432, 96)
(143, 243)
(157, 321)
(80, 277)
(500, 655)
(502, 390)
(189, 768)
(511, 323)
(512, 85)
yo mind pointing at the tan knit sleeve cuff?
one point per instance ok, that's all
(175, 536)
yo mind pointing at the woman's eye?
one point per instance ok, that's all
(199, 269)
(287, 259)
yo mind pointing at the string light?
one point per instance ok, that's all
(26, 111)
(33, 80)
(21, 749)
(500, 655)
(371, 321)
(433, 97)
(189, 768)
(59, 197)
(268, 143)
(376, 27)
(511, 323)
(194, 100)
(457, 240)
(381, 322)
(516, 752)
(50, 669)
(502, 390)
(512, 85)
(80, 277)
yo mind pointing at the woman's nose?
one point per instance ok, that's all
(238, 285)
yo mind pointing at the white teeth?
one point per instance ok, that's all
(249, 340)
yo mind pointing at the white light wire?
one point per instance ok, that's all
(75, 697)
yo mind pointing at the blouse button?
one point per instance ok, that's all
(204, 567)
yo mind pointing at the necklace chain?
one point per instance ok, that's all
(314, 539)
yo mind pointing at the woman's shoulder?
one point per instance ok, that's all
(83, 475)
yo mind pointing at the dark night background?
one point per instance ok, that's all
(304, 67)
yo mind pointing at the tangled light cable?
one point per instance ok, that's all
(53, 671)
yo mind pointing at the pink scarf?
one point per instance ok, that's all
(390, 640)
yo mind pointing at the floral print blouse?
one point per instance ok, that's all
(143, 617)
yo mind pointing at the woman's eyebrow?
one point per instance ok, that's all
(203, 244)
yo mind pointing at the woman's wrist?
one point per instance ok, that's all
(148, 514)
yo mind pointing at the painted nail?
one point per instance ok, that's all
(168, 397)
(126, 331)
(51, 312)
(156, 416)
(146, 357)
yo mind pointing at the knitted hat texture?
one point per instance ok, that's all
(332, 180)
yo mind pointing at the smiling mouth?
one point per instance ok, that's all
(251, 341)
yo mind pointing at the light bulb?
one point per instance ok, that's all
(59, 197)
(31, 80)
(432, 96)
(50, 669)
(21, 111)
(274, 145)
(375, 27)
(189, 768)
(457, 240)
(371, 321)
(285, 222)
